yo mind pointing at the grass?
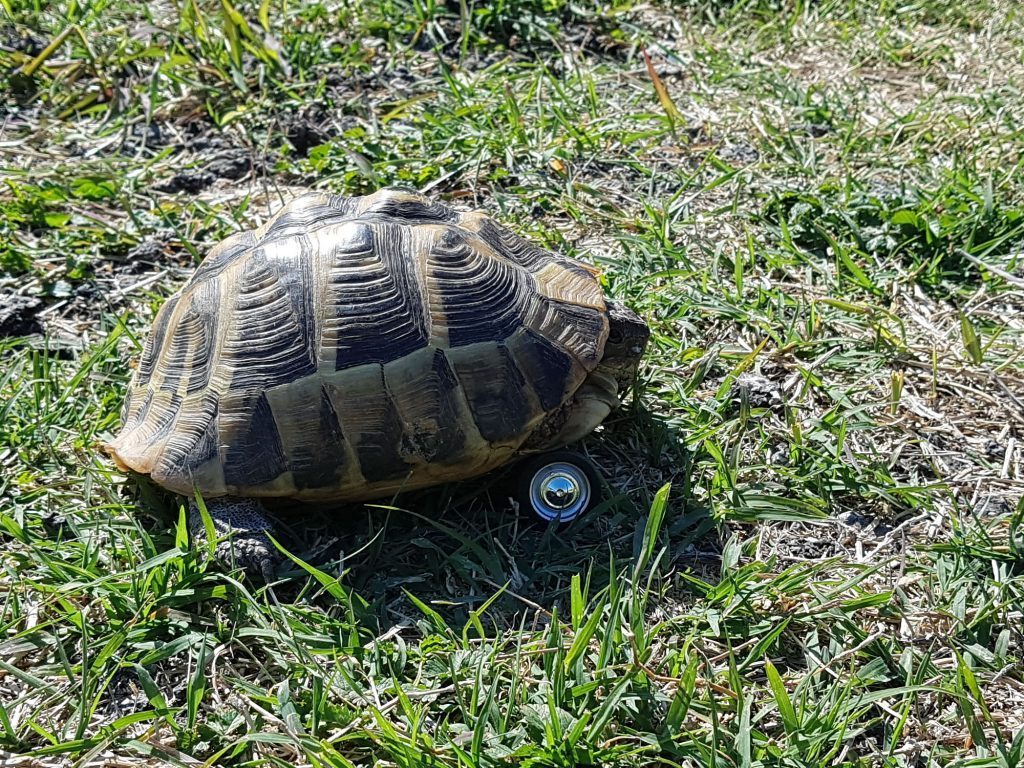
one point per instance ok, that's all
(812, 550)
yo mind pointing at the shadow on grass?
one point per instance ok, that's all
(455, 546)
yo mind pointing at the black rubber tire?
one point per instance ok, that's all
(529, 468)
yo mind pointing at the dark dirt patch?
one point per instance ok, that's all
(145, 137)
(191, 181)
(760, 391)
(234, 163)
(18, 315)
(741, 153)
(14, 39)
(148, 252)
(307, 129)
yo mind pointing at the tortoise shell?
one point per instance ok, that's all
(353, 347)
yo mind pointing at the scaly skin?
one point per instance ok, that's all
(242, 527)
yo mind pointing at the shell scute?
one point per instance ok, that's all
(482, 298)
(371, 422)
(495, 390)
(374, 310)
(429, 399)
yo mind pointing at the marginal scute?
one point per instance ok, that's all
(254, 452)
(193, 442)
(125, 448)
(550, 372)
(141, 448)
(370, 420)
(495, 390)
(430, 404)
(318, 453)
(352, 347)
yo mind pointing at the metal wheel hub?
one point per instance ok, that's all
(559, 491)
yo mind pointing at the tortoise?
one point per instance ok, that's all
(355, 347)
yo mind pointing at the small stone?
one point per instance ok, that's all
(190, 180)
(855, 519)
(233, 164)
(761, 391)
(53, 521)
(994, 450)
(12, 39)
(816, 130)
(144, 136)
(147, 250)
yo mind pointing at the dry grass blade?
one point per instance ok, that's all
(673, 114)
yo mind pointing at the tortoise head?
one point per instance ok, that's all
(627, 340)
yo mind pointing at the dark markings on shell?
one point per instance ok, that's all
(193, 442)
(546, 367)
(187, 351)
(224, 255)
(409, 208)
(320, 462)
(310, 213)
(377, 439)
(203, 328)
(429, 403)
(161, 413)
(515, 248)
(377, 306)
(483, 298)
(528, 255)
(293, 267)
(579, 330)
(171, 363)
(254, 454)
(126, 406)
(267, 344)
(154, 344)
(494, 388)
(137, 413)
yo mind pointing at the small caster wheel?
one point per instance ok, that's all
(558, 486)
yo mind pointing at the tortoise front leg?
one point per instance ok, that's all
(242, 526)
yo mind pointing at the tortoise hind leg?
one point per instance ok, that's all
(241, 526)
